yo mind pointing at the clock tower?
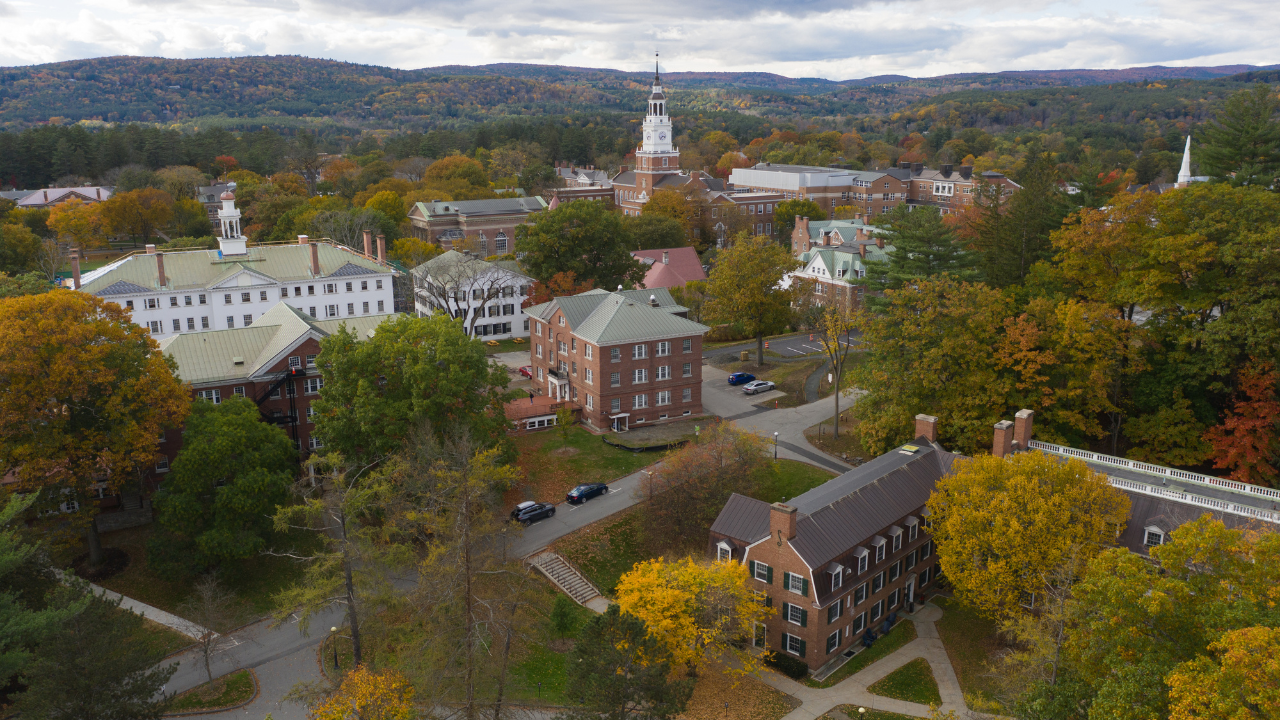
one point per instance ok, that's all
(657, 155)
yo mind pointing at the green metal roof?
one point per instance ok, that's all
(608, 318)
(205, 269)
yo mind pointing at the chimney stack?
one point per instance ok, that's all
(75, 269)
(315, 259)
(666, 257)
(382, 248)
(1002, 443)
(1022, 429)
(782, 522)
(946, 170)
(880, 241)
(368, 243)
(803, 224)
(160, 268)
(151, 249)
(303, 240)
(904, 165)
(927, 427)
(862, 250)
(917, 168)
(966, 171)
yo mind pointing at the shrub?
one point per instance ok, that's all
(793, 668)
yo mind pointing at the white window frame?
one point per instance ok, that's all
(862, 555)
(1150, 530)
(795, 583)
(833, 646)
(760, 571)
(786, 643)
(793, 614)
(877, 610)
(664, 348)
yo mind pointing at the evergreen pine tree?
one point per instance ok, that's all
(923, 246)
(1243, 146)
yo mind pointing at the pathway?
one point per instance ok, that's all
(154, 614)
(815, 702)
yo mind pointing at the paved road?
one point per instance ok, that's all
(788, 346)
(569, 518)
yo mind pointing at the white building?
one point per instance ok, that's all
(194, 291)
(486, 295)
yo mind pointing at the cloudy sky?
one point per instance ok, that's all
(837, 39)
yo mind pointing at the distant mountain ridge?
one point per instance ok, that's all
(288, 89)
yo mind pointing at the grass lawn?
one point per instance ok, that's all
(506, 346)
(971, 643)
(852, 712)
(161, 640)
(903, 633)
(542, 676)
(551, 469)
(912, 682)
(254, 581)
(785, 479)
(788, 376)
(847, 444)
(748, 698)
(605, 550)
(227, 690)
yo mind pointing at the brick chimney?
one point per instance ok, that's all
(160, 268)
(368, 243)
(382, 248)
(303, 240)
(1002, 443)
(927, 427)
(315, 259)
(666, 257)
(782, 522)
(862, 251)
(75, 269)
(803, 224)
(151, 249)
(880, 241)
(1022, 429)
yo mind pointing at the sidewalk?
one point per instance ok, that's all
(154, 614)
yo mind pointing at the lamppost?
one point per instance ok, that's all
(775, 446)
(333, 633)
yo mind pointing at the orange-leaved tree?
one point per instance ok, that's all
(366, 695)
(138, 212)
(561, 284)
(78, 223)
(1248, 440)
(84, 398)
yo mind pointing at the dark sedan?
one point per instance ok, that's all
(741, 378)
(528, 512)
(583, 493)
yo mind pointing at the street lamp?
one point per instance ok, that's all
(333, 632)
(775, 446)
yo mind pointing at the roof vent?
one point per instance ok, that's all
(619, 288)
(653, 300)
(237, 361)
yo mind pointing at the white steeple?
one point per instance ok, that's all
(230, 242)
(657, 125)
(1184, 174)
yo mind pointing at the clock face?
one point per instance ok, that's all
(662, 136)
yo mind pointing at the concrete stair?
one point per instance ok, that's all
(565, 576)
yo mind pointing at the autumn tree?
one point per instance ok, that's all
(79, 224)
(232, 472)
(210, 607)
(27, 284)
(652, 231)
(704, 473)
(745, 288)
(1241, 680)
(786, 212)
(19, 248)
(999, 523)
(698, 611)
(623, 671)
(562, 284)
(368, 695)
(688, 208)
(390, 204)
(1248, 440)
(835, 327)
(585, 238)
(412, 252)
(86, 394)
(1242, 146)
(182, 181)
(431, 371)
(692, 295)
(138, 212)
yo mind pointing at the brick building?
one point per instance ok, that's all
(492, 223)
(851, 553)
(627, 358)
(733, 212)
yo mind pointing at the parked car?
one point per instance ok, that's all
(583, 493)
(527, 371)
(739, 378)
(528, 512)
(758, 386)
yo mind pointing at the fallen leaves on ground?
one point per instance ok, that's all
(749, 698)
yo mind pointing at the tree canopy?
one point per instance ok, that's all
(585, 238)
(745, 288)
(1243, 145)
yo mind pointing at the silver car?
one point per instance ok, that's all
(757, 386)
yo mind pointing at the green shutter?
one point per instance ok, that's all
(768, 574)
(804, 587)
(751, 568)
(804, 620)
(786, 580)
(801, 648)
(768, 601)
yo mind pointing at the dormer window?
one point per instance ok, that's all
(861, 555)
(1153, 536)
(913, 528)
(895, 532)
(879, 544)
(723, 551)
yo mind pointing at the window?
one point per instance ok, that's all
(615, 354)
(311, 361)
(893, 598)
(351, 308)
(723, 553)
(177, 325)
(284, 292)
(295, 362)
(311, 311)
(152, 303)
(859, 624)
(837, 579)
(575, 367)
(896, 532)
(860, 594)
(162, 464)
(226, 299)
(314, 443)
(231, 321)
(311, 386)
(186, 300)
(262, 295)
(238, 391)
(686, 395)
(911, 558)
(586, 351)
(173, 301)
(895, 570)
(248, 320)
(191, 323)
(664, 372)
(1153, 536)
(879, 543)
(924, 576)
(562, 347)
(639, 375)
(561, 319)
(213, 396)
(539, 373)
(330, 311)
(615, 405)
(913, 529)
(204, 323)
(795, 614)
(758, 633)
(877, 583)
(834, 612)
(687, 345)
(538, 350)
(639, 352)
(862, 560)
(761, 572)
(877, 610)
(794, 645)
(588, 376)
(1027, 600)
(796, 583)
(664, 348)
(202, 299)
(664, 397)
(311, 290)
(639, 402)
(380, 302)
(364, 307)
(348, 287)
(833, 642)
(311, 414)
(330, 288)
(927, 550)
(244, 297)
(128, 304)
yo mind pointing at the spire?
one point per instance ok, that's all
(656, 79)
(1184, 175)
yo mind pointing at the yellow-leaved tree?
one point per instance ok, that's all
(699, 610)
(1005, 527)
(366, 695)
(1241, 681)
